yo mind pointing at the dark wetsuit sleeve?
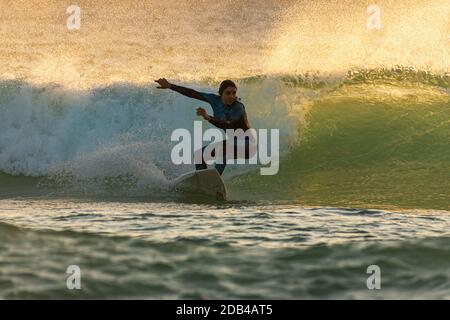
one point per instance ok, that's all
(191, 93)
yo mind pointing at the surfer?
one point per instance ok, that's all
(228, 113)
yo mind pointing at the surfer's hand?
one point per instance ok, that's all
(164, 84)
(202, 113)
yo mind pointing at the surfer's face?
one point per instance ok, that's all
(229, 95)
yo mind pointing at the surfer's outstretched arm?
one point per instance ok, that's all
(191, 93)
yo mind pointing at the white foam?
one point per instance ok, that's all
(117, 130)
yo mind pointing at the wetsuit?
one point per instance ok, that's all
(225, 117)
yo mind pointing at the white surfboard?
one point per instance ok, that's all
(206, 182)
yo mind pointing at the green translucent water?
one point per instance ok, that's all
(376, 145)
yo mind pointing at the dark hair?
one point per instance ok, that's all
(225, 84)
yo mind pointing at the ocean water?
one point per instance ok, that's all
(137, 249)
(364, 174)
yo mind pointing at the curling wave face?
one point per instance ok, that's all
(377, 135)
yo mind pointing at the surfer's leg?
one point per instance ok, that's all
(220, 167)
(201, 166)
(246, 148)
(250, 148)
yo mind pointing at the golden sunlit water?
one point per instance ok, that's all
(138, 41)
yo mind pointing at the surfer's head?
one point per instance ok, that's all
(227, 91)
